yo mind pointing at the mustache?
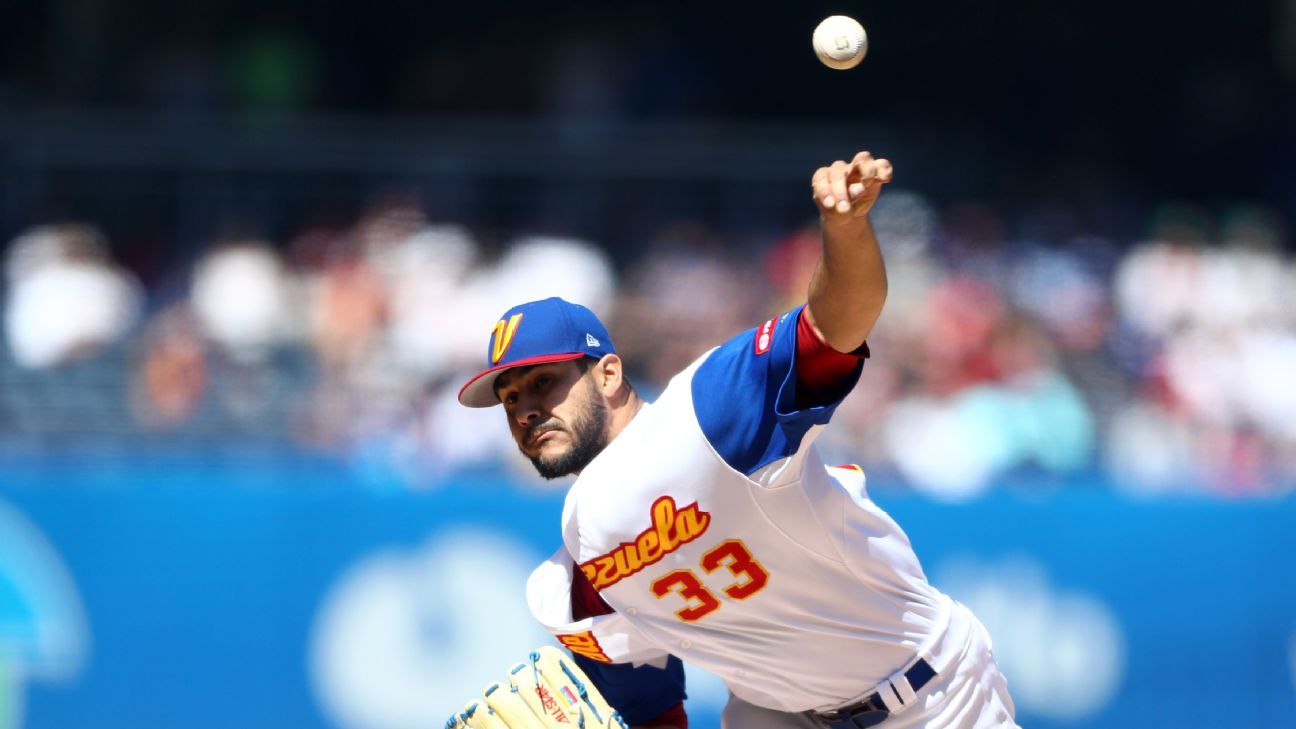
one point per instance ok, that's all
(540, 429)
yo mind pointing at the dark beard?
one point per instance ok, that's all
(589, 438)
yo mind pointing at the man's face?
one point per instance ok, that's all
(556, 414)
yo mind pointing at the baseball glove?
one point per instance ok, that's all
(547, 691)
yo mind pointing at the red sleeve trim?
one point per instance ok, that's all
(822, 371)
(585, 600)
(674, 716)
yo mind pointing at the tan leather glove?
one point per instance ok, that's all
(547, 691)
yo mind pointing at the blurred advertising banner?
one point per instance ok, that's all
(284, 595)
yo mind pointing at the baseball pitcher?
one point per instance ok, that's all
(705, 527)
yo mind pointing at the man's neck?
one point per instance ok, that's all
(622, 415)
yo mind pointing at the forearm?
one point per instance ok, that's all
(849, 284)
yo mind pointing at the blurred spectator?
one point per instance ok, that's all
(66, 298)
(172, 374)
(240, 298)
(1012, 408)
(425, 272)
(1056, 288)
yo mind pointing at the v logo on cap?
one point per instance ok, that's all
(503, 336)
(556, 331)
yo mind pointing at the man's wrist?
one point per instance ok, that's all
(844, 223)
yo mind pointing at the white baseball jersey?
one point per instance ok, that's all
(717, 534)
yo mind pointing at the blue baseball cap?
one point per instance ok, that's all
(537, 332)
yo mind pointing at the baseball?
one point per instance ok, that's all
(840, 42)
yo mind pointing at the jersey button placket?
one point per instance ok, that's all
(631, 612)
(686, 644)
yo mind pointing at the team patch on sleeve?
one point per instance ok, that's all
(764, 337)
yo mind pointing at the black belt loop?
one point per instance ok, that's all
(872, 710)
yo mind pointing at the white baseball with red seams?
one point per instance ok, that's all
(840, 42)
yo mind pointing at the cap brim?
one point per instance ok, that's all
(479, 392)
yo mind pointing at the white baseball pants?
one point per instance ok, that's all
(971, 694)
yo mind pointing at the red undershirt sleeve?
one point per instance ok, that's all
(674, 716)
(822, 372)
(586, 602)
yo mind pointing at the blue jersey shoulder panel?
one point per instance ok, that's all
(639, 693)
(745, 401)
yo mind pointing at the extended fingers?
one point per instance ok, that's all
(884, 170)
(831, 188)
(823, 188)
(861, 172)
(837, 186)
(837, 174)
(865, 169)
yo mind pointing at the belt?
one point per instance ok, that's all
(875, 708)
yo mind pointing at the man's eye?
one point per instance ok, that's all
(543, 381)
(510, 398)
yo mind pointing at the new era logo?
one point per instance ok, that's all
(590, 341)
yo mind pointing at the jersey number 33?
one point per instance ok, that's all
(750, 578)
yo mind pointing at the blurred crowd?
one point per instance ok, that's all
(1164, 364)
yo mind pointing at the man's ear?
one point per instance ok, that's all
(609, 375)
